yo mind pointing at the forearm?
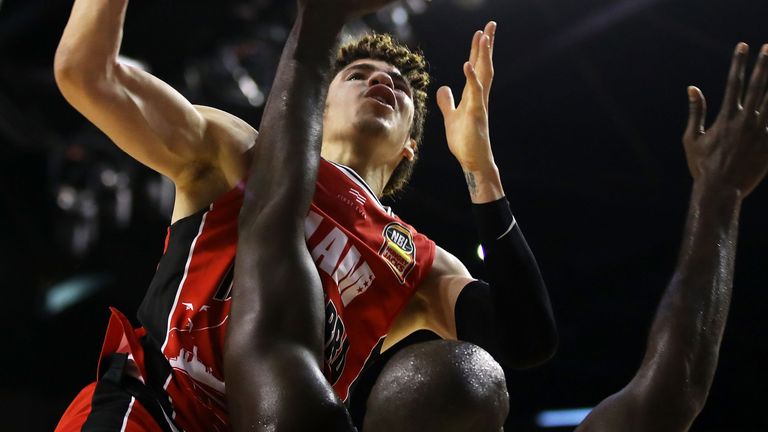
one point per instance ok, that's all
(288, 147)
(686, 333)
(521, 331)
(91, 40)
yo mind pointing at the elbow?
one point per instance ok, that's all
(544, 349)
(533, 350)
(548, 345)
(75, 74)
(66, 67)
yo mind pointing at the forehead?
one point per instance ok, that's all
(372, 65)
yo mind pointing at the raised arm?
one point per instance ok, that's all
(727, 162)
(275, 341)
(510, 315)
(144, 116)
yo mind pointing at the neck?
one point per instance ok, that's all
(363, 159)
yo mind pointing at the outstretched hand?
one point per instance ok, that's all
(733, 152)
(466, 126)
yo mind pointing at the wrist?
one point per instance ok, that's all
(714, 192)
(484, 184)
(319, 27)
(714, 201)
(493, 220)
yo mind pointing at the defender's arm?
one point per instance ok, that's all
(727, 162)
(274, 347)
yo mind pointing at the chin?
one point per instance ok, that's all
(372, 126)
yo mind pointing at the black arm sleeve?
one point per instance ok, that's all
(510, 316)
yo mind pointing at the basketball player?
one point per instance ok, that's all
(726, 162)
(385, 284)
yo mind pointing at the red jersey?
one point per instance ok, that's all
(370, 263)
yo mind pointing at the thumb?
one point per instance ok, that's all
(445, 100)
(697, 112)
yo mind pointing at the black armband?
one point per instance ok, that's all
(510, 316)
(494, 220)
(507, 255)
(475, 316)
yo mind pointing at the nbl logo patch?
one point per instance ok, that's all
(398, 250)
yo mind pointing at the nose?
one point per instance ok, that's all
(380, 77)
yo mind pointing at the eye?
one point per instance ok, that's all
(355, 76)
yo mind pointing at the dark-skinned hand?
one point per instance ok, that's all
(733, 152)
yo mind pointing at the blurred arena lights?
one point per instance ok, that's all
(480, 252)
(562, 417)
(599, 22)
(72, 291)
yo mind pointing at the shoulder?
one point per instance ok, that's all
(447, 277)
(223, 128)
(228, 142)
(447, 265)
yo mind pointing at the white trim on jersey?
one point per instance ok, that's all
(169, 421)
(127, 414)
(183, 279)
(355, 177)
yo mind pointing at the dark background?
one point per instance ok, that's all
(587, 111)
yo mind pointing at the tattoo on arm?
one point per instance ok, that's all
(471, 183)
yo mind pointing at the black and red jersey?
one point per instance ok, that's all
(370, 263)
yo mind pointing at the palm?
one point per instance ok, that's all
(734, 150)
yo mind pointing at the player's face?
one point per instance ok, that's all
(370, 98)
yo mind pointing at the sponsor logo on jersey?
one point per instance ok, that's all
(354, 199)
(336, 343)
(398, 250)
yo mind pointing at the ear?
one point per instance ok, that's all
(409, 149)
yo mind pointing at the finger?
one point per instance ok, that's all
(445, 100)
(763, 110)
(757, 83)
(697, 113)
(473, 87)
(473, 52)
(490, 30)
(484, 66)
(735, 86)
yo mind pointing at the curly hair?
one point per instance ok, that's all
(413, 67)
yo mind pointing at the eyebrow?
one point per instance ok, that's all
(395, 75)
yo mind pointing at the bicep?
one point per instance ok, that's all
(144, 116)
(447, 279)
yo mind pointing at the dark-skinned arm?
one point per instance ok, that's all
(727, 162)
(274, 346)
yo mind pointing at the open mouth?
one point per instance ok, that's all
(383, 95)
